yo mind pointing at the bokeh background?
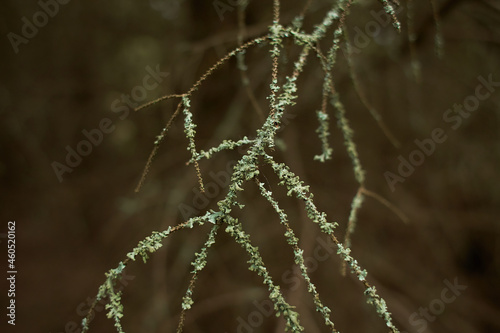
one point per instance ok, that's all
(71, 75)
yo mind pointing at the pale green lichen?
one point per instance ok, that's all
(189, 126)
(391, 10)
(353, 217)
(225, 145)
(298, 256)
(198, 265)
(324, 132)
(256, 264)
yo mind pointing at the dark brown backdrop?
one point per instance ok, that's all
(70, 76)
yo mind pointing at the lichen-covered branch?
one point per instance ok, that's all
(281, 96)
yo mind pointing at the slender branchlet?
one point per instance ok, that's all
(158, 141)
(402, 216)
(145, 247)
(277, 43)
(356, 204)
(256, 264)
(242, 5)
(361, 94)
(297, 188)
(198, 264)
(324, 132)
(299, 19)
(390, 8)
(190, 131)
(298, 256)
(353, 215)
(224, 60)
(225, 145)
(148, 104)
(343, 123)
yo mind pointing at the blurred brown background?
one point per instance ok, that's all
(71, 75)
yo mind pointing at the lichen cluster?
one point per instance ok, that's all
(282, 95)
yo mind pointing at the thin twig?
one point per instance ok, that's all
(155, 148)
(386, 203)
(140, 107)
